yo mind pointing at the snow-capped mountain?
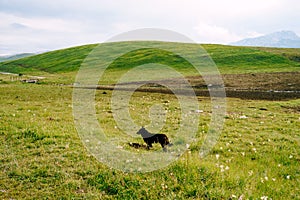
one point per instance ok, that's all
(286, 39)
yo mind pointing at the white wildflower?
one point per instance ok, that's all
(250, 173)
(243, 117)
(199, 111)
(264, 198)
(164, 186)
(222, 168)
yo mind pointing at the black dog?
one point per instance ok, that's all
(150, 138)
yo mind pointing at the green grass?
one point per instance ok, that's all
(229, 59)
(43, 157)
(15, 57)
(290, 53)
(65, 60)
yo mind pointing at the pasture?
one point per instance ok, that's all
(257, 155)
(43, 157)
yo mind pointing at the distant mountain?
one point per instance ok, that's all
(284, 39)
(15, 57)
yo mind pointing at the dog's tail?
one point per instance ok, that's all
(135, 145)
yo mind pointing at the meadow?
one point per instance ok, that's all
(257, 155)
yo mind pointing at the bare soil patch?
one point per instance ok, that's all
(261, 86)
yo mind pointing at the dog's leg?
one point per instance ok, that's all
(149, 145)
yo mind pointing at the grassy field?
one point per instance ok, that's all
(257, 156)
(229, 60)
(42, 155)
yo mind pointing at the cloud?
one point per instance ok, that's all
(208, 33)
(18, 26)
(214, 34)
(21, 34)
(51, 24)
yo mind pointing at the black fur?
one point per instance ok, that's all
(150, 138)
(135, 145)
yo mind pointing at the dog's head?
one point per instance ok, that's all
(142, 130)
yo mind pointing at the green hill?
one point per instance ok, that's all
(232, 59)
(229, 59)
(15, 57)
(59, 61)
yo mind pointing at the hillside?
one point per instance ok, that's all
(229, 59)
(64, 60)
(15, 57)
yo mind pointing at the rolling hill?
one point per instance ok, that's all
(15, 57)
(229, 59)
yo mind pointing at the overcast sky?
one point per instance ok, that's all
(41, 25)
